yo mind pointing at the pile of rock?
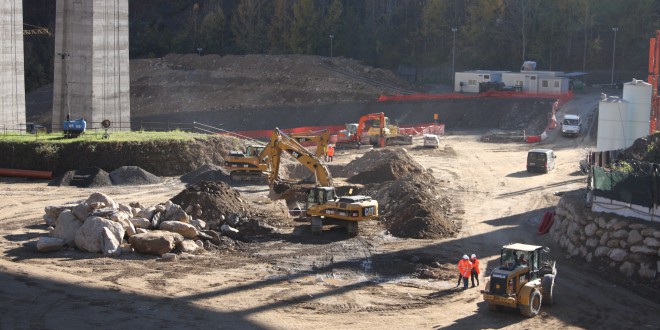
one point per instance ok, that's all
(93, 177)
(628, 245)
(99, 224)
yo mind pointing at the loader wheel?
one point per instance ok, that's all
(548, 284)
(534, 306)
(317, 225)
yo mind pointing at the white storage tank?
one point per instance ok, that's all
(612, 112)
(638, 95)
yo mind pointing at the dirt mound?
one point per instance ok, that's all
(207, 172)
(380, 165)
(413, 207)
(644, 149)
(216, 200)
(88, 177)
(133, 175)
(410, 204)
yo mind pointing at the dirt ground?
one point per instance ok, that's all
(293, 280)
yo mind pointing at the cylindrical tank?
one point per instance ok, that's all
(638, 95)
(612, 112)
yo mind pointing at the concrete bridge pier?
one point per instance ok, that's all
(12, 75)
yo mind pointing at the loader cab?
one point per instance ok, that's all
(320, 195)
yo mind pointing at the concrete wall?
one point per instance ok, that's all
(12, 75)
(629, 245)
(91, 63)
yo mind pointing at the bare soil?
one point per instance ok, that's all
(295, 280)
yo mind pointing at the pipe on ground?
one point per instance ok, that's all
(48, 175)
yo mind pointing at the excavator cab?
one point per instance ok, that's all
(320, 195)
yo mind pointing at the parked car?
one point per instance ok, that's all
(431, 141)
(541, 160)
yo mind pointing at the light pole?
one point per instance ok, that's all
(331, 36)
(613, 52)
(453, 58)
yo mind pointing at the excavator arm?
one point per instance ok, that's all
(280, 143)
(321, 138)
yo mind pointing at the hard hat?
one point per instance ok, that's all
(465, 256)
(474, 255)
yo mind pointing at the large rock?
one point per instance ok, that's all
(652, 242)
(602, 251)
(120, 216)
(67, 227)
(141, 223)
(628, 268)
(82, 211)
(49, 244)
(186, 230)
(146, 213)
(618, 254)
(102, 198)
(111, 245)
(174, 212)
(647, 270)
(621, 233)
(90, 236)
(188, 246)
(643, 249)
(634, 237)
(590, 229)
(157, 242)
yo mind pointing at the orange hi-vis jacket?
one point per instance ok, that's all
(331, 151)
(465, 267)
(475, 265)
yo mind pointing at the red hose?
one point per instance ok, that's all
(48, 175)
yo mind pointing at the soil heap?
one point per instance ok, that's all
(410, 205)
(88, 177)
(133, 175)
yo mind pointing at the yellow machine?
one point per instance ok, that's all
(251, 165)
(523, 280)
(322, 206)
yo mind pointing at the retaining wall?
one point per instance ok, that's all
(629, 245)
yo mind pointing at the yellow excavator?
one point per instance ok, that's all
(322, 206)
(251, 164)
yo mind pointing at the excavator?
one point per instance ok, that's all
(322, 206)
(251, 164)
(374, 129)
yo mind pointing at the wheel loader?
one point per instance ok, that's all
(524, 280)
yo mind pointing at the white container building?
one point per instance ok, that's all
(468, 81)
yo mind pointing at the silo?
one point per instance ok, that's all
(638, 95)
(612, 113)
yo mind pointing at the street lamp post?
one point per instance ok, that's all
(453, 58)
(331, 36)
(613, 52)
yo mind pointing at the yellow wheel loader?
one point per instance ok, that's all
(524, 280)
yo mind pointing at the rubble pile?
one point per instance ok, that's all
(207, 172)
(219, 204)
(93, 177)
(99, 224)
(410, 203)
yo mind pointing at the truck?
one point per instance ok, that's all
(524, 280)
(374, 129)
(322, 204)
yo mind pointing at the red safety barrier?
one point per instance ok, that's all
(533, 138)
(417, 129)
(546, 223)
(563, 98)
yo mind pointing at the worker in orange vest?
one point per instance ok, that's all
(475, 269)
(330, 153)
(465, 268)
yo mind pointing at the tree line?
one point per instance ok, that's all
(561, 35)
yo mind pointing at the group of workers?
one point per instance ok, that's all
(468, 267)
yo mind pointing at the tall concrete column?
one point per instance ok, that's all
(91, 63)
(12, 73)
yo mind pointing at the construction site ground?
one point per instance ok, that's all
(295, 280)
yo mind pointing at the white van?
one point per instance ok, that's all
(570, 125)
(431, 141)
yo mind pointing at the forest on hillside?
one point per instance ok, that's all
(427, 35)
